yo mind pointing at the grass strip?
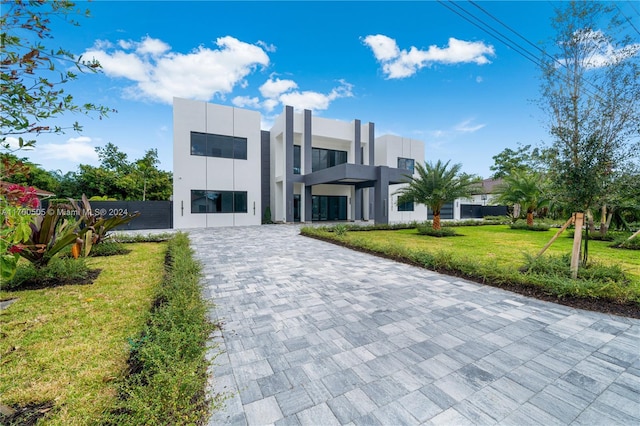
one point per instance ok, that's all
(167, 366)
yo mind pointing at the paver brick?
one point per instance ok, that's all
(322, 333)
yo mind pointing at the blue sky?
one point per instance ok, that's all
(415, 69)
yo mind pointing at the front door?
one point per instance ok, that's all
(296, 207)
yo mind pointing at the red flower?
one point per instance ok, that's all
(15, 249)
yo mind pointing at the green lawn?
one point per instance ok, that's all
(68, 344)
(503, 244)
(493, 254)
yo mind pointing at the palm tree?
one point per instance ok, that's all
(524, 188)
(436, 185)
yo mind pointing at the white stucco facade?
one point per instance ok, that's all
(201, 172)
(305, 168)
(389, 149)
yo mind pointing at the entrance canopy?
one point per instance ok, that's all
(358, 175)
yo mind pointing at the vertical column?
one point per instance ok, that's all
(372, 144)
(358, 201)
(356, 142)
(308, 204)
(382, 195)
(307, 149)
(288, 163)
(265, 172)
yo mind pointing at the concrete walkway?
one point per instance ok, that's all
(316, 334)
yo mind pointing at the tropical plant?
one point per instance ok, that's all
(50, 233)
(524, 188)
(16, 205)
(95, 226)
(435, 185)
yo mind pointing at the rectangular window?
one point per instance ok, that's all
(405, 207)
(406, 164)
(297, 159)
(198, 143)
(325, 158)
(220, 146)
(218, 201)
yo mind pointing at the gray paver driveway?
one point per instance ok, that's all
(318, 334)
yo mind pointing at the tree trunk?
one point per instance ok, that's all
(530, 219)
(436, 221)
(603, 221)
(609, 217)
(591, 225)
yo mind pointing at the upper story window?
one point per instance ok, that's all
(210, 145)
(325, 158)
(297, 159)
(406, 164)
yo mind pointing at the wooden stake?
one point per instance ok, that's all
(560, 231)
(577, 243)
(634, 235)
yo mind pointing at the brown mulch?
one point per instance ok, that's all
(37, 284)
(631, 310)
(27, 415)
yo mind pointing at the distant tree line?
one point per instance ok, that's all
(115, 178)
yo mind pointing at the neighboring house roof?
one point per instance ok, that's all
(39, 192)
(488, 186)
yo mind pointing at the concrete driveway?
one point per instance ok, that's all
(316, 334)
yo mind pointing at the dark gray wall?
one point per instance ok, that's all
(471, 211)
(265, 167)
(153, 214)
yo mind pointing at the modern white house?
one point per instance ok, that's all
(227, 170)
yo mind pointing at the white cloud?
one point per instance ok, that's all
(398, 63)
(266, 46)
(384, 48)
(598, 52)
(246, 101)
(273, 88)
(160, 74)
(466, 126)
(152, 46)
(78, 150)
(284, 92)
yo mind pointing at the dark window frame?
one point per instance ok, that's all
(218, 146)
(407, 206)
(297, 159)
(327, 158)
(220, 201)
(403, 164)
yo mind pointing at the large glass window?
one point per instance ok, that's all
(220, 146)
(325, 158)
(218, 201)
(406, 206)
(297, 159)
(406, 164)
(328, 207)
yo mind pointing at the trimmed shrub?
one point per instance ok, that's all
(168, 366)
(442, 232)
(540, 227)
(57, 271)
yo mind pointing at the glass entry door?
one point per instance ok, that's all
(329, 207)
(296, 207)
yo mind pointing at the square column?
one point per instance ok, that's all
(381, 203)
